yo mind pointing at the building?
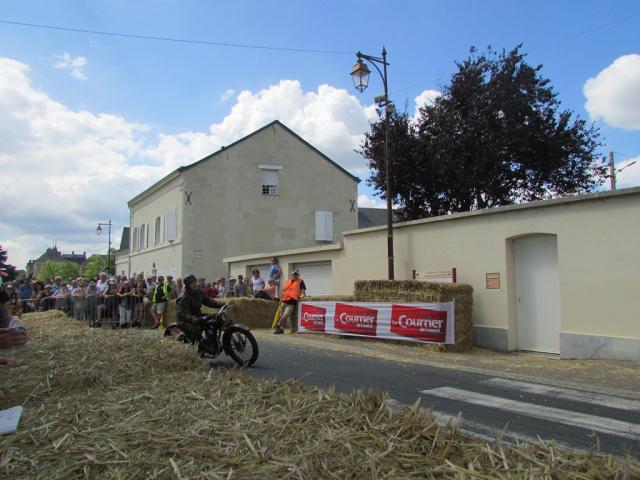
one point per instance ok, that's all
(558, 276)
(270, 190)
(52, 254)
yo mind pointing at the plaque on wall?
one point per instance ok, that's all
(492, 281)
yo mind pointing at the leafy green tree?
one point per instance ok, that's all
(95, 264)
(9, 269)
(52, 269)
(496, 136)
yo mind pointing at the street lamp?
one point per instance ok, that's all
(360, 75)
(99, 232)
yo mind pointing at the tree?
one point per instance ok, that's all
(9, 269)
(66, 270)
(95, 265)
(496, 136)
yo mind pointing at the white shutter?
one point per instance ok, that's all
(134, 243)
(264, 271)
(171, 225)
(163, 236)
(148, 235)
(324, 226)
(142, 236)
(317, 277)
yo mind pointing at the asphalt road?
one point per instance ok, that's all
(575, 419)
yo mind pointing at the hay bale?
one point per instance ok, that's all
(408, 291)
(100, 404)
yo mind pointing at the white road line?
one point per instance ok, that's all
(558, 415)
(568, 394)
(479, 431)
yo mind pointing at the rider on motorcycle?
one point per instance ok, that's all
(188, 307)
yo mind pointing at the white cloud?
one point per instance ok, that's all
(64, 170)
(613, 95)
(630, 174)
(364, 201)
(73, 64)
(227, 95)
(427, 97)
(330, 119)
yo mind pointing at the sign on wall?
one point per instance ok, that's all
(445, 276)
(415, 322)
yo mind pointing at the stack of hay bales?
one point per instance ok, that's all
(411, 291)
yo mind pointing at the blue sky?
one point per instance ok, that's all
(102, 106)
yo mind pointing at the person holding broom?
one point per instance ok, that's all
(294, 289)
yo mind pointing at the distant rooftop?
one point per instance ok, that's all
(372, 217)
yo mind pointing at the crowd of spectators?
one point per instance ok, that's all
(118, 300)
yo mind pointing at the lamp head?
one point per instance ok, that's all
(99, 229)
(360, 75)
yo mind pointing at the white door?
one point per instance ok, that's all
(317, 277)
(264, 271)
(537, 293)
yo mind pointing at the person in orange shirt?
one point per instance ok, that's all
(292, 291)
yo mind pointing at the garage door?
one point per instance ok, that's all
(317, 277)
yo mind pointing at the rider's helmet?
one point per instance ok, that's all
(188, 280)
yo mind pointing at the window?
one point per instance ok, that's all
(146, 245)
(134, 243)
(142, 236)
(324, 226)
(171, 225)
(157, 231)
(270, 183)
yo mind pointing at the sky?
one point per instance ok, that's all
(88, 121)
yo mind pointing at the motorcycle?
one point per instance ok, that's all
(219, 334)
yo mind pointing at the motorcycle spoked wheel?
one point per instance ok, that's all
(241, 345)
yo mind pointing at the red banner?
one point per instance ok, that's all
(431, 323)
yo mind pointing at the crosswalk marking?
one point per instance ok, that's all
(567, 417)
(568, 394)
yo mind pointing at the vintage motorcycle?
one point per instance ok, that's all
(219, 333)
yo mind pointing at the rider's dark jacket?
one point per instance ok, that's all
(189, 304)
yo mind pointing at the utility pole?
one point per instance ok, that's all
(612, 171)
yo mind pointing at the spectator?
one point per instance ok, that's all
(124, 304)
(222, 287)
(91, 306)
(47, 301)
(293, 290)
(36, 297)
(268, 293)
(79, 300)
(138, 302)
(57, 283)
(275, 272)
(25, 291)
(230, 288)
(160, 295)
(152, 283)
(257, 283)
(201, 284)
(109, 303)
(172, 286)
(211, 290)
(5, 315)
(15, 309)
(240, 289)
(102, 284)
(179, 288)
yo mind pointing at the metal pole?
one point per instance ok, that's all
(386, 166)
(109, 251)
(612, 171)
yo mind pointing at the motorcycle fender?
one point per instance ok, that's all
(168, 332)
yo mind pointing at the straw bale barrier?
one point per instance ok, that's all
(128, 404)
(425, 292)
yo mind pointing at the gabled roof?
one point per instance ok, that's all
(275, 122)
(373, 217)
(179, 170)
(124, 241)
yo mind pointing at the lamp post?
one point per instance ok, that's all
(360, 75)
(99, 232)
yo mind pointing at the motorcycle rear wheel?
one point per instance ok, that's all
(241, 345)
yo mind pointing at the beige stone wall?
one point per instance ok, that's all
(229, 216)
(598, 240)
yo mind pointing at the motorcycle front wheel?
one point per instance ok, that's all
(241, 345)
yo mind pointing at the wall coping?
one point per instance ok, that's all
(623, 192)
(283, 253)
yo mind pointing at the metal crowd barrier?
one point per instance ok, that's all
(97, 310)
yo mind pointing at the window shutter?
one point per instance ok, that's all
(162, 227)
(171, 225)
(148, 235)
(142, 236)
(270, 182)
(134, 244)
(324, 226)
